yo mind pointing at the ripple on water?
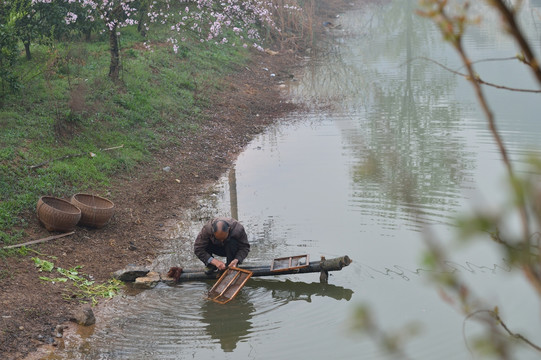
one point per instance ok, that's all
(166, 321)
(152, 324)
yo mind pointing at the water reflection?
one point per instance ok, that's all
(419, 173)
(174, 322)
(295, 290)
(228, 323)
(232, 322)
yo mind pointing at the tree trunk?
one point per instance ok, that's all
(140, 27)
(143, 11)
(114, 68)
(27, 50)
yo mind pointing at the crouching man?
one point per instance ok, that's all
(223, 237)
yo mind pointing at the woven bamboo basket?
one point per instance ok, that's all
(57, 214)
(96, 211)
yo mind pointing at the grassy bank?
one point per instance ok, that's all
(55, 132)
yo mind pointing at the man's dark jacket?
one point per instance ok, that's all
(206, 236)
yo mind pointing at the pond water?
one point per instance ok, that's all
(394, 145)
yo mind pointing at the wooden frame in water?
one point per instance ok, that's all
(290, 263)
(229, 284)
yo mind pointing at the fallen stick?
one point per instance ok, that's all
(39, 240)
(72, 156)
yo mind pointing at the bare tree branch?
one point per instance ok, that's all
(513, 28)
(481, 81)
(499, 320)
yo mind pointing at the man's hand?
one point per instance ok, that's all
(233, 263)
(220, 265)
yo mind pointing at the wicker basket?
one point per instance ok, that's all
(95, 210)
(57, 214)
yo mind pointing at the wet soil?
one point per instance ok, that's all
(144, 200)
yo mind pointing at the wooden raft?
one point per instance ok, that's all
(146, 279)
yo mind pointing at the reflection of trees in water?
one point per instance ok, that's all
(343, 70)
(528, 16)
(412, 153)
(406, 142)
(328, 79)
(232, 322)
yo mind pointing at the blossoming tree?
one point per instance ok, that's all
(210, 20)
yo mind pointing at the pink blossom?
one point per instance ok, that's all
(217, 16)
(70, 18)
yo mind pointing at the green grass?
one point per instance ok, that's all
(68, 106)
